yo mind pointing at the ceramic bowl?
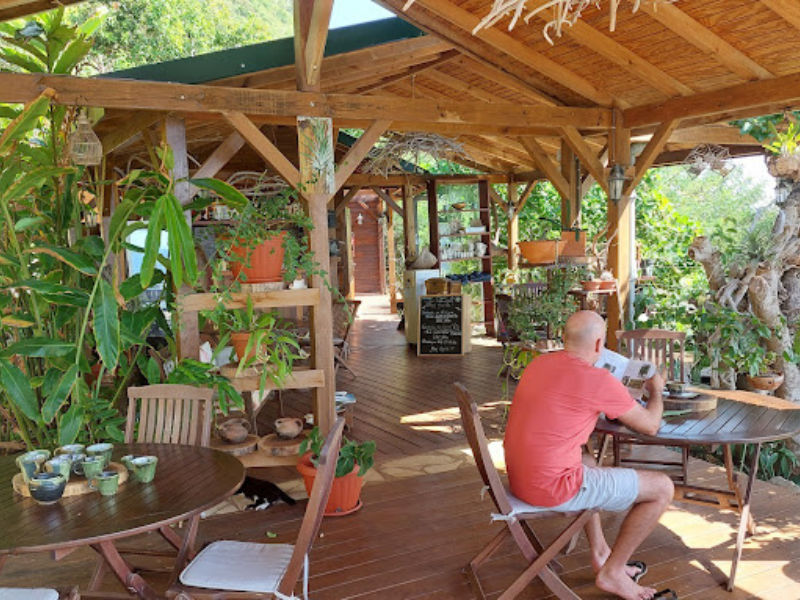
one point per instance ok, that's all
(47, 488)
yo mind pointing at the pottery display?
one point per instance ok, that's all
(288, 428)
(103, 450)
(234, 431)
(47, 488)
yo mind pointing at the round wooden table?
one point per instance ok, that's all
(732, 422)
(188, 481)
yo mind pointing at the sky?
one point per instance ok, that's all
(351, 12)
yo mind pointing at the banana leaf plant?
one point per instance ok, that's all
(73, 330)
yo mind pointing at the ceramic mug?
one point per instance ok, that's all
(47, 488)
(105, 482)
(144, 468)
(71, 449)
(29, 465)
(104, 450)
(126, 461)
(93, 466)
(61, 464)
(77, 462)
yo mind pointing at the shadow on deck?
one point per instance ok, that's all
(423, 518)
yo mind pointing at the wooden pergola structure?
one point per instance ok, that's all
(670, 77)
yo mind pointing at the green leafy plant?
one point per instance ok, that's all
(530, 315)
(784, 143)
(351, 454)
(193, 372)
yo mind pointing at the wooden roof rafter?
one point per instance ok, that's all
(786, 9)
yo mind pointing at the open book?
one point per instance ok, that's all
(632, 373)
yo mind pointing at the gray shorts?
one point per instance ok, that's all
(610, 489)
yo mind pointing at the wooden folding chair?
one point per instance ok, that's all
(664, 349)
(169, 414)
(514, 512)
(231, 569)
(344, 314)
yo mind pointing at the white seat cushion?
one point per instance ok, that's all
(28, 594)
(239, 566)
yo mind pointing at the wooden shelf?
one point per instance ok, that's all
(445, 260)
(250, 379)
(465, 210)
(277, 299)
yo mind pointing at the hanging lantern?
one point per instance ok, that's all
(616, 181)
(84, 147)
(782, 190)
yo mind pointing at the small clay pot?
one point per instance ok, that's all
(288, 428)
(590, 285)
(608, 284)
(766, 383)
(234, 431)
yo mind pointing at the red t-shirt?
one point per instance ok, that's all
(554, 411)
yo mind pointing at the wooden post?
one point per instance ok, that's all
(570, 204)
(311, 19)
(433, 217)
(410, 224)
(390, 260)
(620, 221)
(513, 224)
(486, 262)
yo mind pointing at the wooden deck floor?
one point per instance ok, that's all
(414, 535)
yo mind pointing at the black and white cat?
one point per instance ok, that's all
(263, 494)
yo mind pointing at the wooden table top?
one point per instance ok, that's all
(731, 423)
(188, 480)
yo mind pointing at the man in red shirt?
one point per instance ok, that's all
(555, 408)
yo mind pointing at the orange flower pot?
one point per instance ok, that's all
(266, 261)
(345, 495)
(239, 342)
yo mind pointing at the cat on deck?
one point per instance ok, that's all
(263, 494)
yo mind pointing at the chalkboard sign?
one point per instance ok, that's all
(441, 330)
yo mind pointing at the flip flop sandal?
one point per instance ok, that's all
(638, 564)
(666, 594)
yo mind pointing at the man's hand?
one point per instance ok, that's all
(655, 384)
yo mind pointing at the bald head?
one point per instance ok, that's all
(582, 332)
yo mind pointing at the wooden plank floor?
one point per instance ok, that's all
(414, 535)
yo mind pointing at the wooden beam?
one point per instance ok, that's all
(595, 41)
(745, 97)
(445, 57)
(390, 262)
(571, 203)
(433, 219)
(712, 45)
(712, 134)
(649, 155)
(513, 224)
(466, 22)
(388, 199)
(311, 19)
(789, 10)
(133, 126)
(505, 79)
(265, 148)
(351, 193)
(523, 199)
(497, 199)
(359, 151)
(546, 164)
(574, 140)
(129, 94)
(620, 228)
(218, 159)
(16, 8)
(410, 224)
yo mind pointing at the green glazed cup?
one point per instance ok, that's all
(28, 465)
(104, 450)
(93, 466)
(60, 464)
(144, 468)
(105, 482)
(71, 449)
(126, 461)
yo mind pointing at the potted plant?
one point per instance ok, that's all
(744, 350)
(354, 461)
(266, 242)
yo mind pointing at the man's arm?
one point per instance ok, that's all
(647, 419)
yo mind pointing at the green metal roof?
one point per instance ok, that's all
(268, 55)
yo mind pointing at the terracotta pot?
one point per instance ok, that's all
(266, 261)
(288, 428)
(239, 342)
(590, 286)
(345, 495)
(767, 383)
(234, 431)
(608, 284)
(540, 252)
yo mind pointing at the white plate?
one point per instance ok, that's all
(683, 395)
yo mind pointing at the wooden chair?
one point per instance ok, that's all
(513, 512)
(344, 314)
(664, 349)
(231, 569)
(169, 414)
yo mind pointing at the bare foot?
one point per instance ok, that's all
(620, 584)
(599, 560)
